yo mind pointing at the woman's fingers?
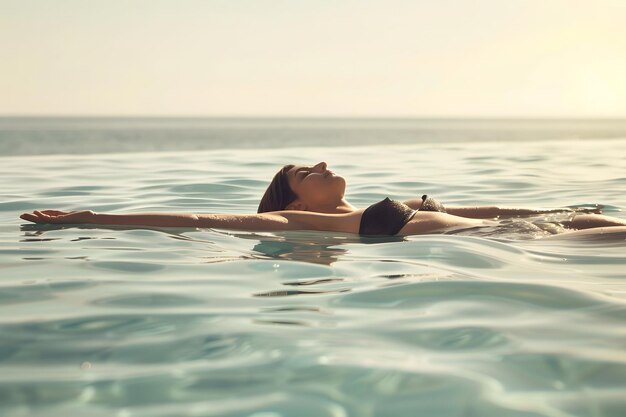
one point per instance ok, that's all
(30, 217)
(35, 218)
(39, 217)
(44, 217)
(54, 212)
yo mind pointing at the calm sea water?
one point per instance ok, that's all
(114, 321)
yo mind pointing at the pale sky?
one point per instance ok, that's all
(438, 58)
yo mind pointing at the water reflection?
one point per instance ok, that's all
(313, 247)
(311, 252)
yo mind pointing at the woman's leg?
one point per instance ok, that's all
(588, 221)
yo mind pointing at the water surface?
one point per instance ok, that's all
(114, 321)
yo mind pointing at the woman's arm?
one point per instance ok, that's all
(488, 212)
(147, 219)
(280, 220)
(223, 221)
(284, 220)
(90, 217)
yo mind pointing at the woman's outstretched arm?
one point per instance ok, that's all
(90, 217)
(489, 212)
(273, 221)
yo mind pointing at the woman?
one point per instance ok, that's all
(313, 198)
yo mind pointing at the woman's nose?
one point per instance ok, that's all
(321, 166)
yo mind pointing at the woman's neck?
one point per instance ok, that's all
(342, 206)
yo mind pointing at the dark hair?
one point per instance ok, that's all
(278, 194)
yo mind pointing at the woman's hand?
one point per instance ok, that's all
(57, 216)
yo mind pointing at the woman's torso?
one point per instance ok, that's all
(390, 217)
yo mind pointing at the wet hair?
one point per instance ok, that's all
(278, 194)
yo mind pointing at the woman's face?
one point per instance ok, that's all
(316, 186)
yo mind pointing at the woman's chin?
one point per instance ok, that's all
(335, 177)
(341, 180)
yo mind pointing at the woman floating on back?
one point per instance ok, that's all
(313, 198)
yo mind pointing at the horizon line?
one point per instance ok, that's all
(313, 116)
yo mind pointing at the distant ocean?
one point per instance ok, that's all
(141, 322)
(83, 135)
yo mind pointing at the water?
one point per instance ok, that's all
(84, 135)
(114, 321)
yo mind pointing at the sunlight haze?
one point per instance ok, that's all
(557, 58)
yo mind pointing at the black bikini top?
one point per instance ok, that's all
(388, 217)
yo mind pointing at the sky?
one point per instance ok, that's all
(336, 58)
